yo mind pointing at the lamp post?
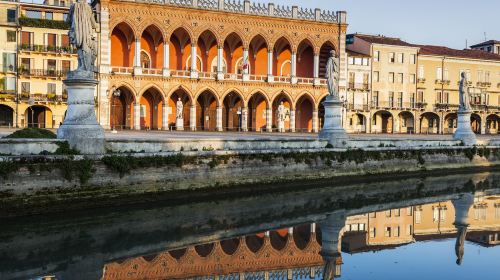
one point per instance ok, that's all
(116, 93)
(31, 102)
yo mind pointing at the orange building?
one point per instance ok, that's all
(249, 59)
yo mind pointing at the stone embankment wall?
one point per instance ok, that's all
(76, 181)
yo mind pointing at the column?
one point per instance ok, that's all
(220, 55)
(270, 77)
(292, 120)
(483, 124)
(194, 70)
(166, 59)
(244, 119)
(137, 116)
(294, 68)
(316, 69)
(315, 122)
(269, 120)
(219, 119)
(246, 72)
(165, 115)
(104, 114)
(105, 51)
(192, 118)
(137, 58)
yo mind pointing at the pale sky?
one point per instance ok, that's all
(433, 22)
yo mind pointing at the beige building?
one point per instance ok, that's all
(393, 82)
(439, 71)
(8, 52)
(358, 91)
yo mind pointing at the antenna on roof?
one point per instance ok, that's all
(485, 38)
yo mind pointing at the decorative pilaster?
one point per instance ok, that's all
(220, 55)
(105, 51)
(165, 115)
(269, 120)
(270, 77)
(315, 121)
(244, 119)
(137, 116)
(292, 120)
(316, 69)
(194, 70)
(192, 118)
(294, 68)
(219, 119)
(166, 59)
(137, 58)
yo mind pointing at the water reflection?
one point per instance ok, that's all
(305, 234)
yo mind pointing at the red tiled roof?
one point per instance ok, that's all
(355, 54)
(383, 40)
(445, 51)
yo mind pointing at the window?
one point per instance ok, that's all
(11, 36)
(421, 72)
(498, 50)
(487, 76)
(65, 16)
(439, 73)
(412, 79)
(366, 78)
(409, 230)
(391, 77)
(375, 100)
(51, 40)
(392, 57)
(366, 62)
(400, 104)
(373, 232)
(400, 78)
(388, 213)
(489, 49)
(446, 97)
(65, 41)
(373, 215)
(376, 76)
(51, 64)
(33, 14)
(468, 75)
(391, 98)
(420, 96)
(413, 59)
(480, 77)
(397, 212)
(409, 211)
(418, 216)
(445, 74)
(439, 97)
(396, 231)
(401, 57)
(497, 211)
(9, 62)
(11, 15)
(358, 61)
(351, 60)
(26, 38)
(10, 83)
(49, 15)
(25, 65)
(376, 56)
(351, 79)
(51, 88)
(25, 87)
(387, 232)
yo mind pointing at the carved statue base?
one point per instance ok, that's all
(179, 124)
(281, 126)
(464, 130)
(80, 127)
(332, 128)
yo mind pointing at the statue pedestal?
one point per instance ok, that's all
(80, 127)
(332, 130)
(281, 126)
(464, 130)
(179, 124)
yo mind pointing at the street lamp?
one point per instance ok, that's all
(116, 93)
(31, 102)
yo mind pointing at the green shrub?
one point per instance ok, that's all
(43, 23)
(65, 149)
(37, 133)
(8, 167)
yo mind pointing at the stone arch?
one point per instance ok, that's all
(258, 105)
(237, 32)
(204, 250)
(383, 122)
(183, 88)
(122, 40)
(207, 44)
(178, 254)
(302, 236)
(357, 122)
(180, 42)
(233, 52)
(39, 116)
(305, 58)
(183, 27)
(124, 21)
(122, 107)
(153, 23)
(304, 107)
(476, 123)
(254, 243)
(286, 94)
(230, 246)
(324, 54)
(235, 90)
(282, 49)
(206, 109)
(278, 239)
(207, 89)
(151, 102)
(186, 97)
(258, 51)
(278, 98)
(450, 123)
(260, 91)
(232, 109)
(6, 115)
(152, 43)
(126, 86)
(492, 123)
(429, 123)
(406, 122)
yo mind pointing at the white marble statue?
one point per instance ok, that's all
(82, 34)
(332, 75)
(180, 109)
(281, 117)
(464, 94)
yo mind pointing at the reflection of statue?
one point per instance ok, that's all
(281, 112)
(464, 94)
(180, 108)
(332, 75)
(459, 245)
(82, 34)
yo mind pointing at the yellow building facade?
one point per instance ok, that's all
(8, 53)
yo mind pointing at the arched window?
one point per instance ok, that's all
(199, 63)
(213, 65)
(239, 66)
(145, 60)
(286, 68)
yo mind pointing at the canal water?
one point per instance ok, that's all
(431, 227)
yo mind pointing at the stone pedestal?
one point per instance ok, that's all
(281, 126)
(179, 124)
(80, 127)
(332, 130)
(464, 130)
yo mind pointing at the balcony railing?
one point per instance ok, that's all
(50, 73)
(398, 105)
(483, 84)
(41, 97)
(258, 78)
(207, 75)
(445, 106)
(122, 70)
(480, 107)
(47, 49)
(358, 107)
(152, 71)
(421, 80)
(442, 82)
(359, 86)
(7, 95)
(180, 73)
(305, 81)
(282, 79)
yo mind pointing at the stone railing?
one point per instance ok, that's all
(252, 8)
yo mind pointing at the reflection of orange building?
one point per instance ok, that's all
(230, 63)
(289, 253)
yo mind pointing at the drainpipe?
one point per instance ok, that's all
(18, 11)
